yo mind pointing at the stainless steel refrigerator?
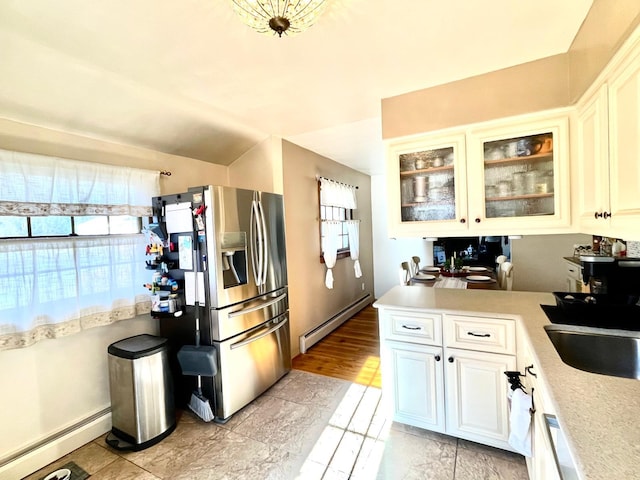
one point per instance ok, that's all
(225, 250)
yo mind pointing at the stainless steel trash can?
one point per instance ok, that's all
(141, 387)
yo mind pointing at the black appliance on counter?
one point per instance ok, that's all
(604, 274)
(613, 299)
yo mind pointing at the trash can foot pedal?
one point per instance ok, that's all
(115, 441)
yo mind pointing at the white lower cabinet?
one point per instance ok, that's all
(416, 373)
(452, 383)
(476, 389)
(542, 463)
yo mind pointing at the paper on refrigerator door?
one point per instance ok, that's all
(178, 217)
(185, 252)
(190, 288)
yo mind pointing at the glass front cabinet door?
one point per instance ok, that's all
(427, 185)
(519, 177)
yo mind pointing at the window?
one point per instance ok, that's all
(30, 227)
(339, 214)
(338, 231)
(71, 252)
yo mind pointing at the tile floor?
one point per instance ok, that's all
(305, 427)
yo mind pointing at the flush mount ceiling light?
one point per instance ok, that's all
(279, 16)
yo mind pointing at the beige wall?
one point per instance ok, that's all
(185, 172)
(608, 24)
(311, 303)
(260, 168)
(551, 82)
(530, 87)
(537, 261)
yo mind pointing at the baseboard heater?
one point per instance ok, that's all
(313, 336)
(42, 453)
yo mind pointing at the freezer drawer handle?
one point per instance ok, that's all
(244, 311)
(257, 337)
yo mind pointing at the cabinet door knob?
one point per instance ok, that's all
(462, 220)
(450, 359)
(597, 215)
(477, 220)
(437, 357)
(606, 215)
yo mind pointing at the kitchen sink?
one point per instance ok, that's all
(597, 352)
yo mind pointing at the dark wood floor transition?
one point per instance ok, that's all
(351, 352)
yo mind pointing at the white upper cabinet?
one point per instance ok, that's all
(591, 163)
(495, 178)
(624, 148)
(607, 150)
(519, 176)
(427, 185)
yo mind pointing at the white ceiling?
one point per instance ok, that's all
(187, 77)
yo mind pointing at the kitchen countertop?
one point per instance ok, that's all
(575, 260)
(599, 414)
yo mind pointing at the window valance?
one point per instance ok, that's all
(36, 185)
(337, 194)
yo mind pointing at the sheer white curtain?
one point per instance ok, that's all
(337, 194)
(39, 185)
(57, 286)
(330, 244)
(353, 227)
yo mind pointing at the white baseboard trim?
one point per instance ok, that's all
(56, 446)
(313, 336)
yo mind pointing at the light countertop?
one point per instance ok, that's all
(599, 414)
(574, 260)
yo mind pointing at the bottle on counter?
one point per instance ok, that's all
(606, 247)
(618, 249)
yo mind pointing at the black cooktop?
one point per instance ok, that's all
(626, 319)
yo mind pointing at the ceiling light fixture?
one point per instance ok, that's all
(279, 16)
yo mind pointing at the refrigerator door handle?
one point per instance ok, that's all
(244, 311)
(256, 253)
(253, 338)
(265, 245)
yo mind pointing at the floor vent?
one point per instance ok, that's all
(318, 333)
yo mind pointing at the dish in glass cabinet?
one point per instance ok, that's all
(448, 160)
(478, 278)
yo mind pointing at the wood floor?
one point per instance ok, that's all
(351, 352)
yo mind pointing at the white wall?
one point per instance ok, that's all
(389, 253)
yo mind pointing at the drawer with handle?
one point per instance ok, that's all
(496, 335)
(414, 327)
